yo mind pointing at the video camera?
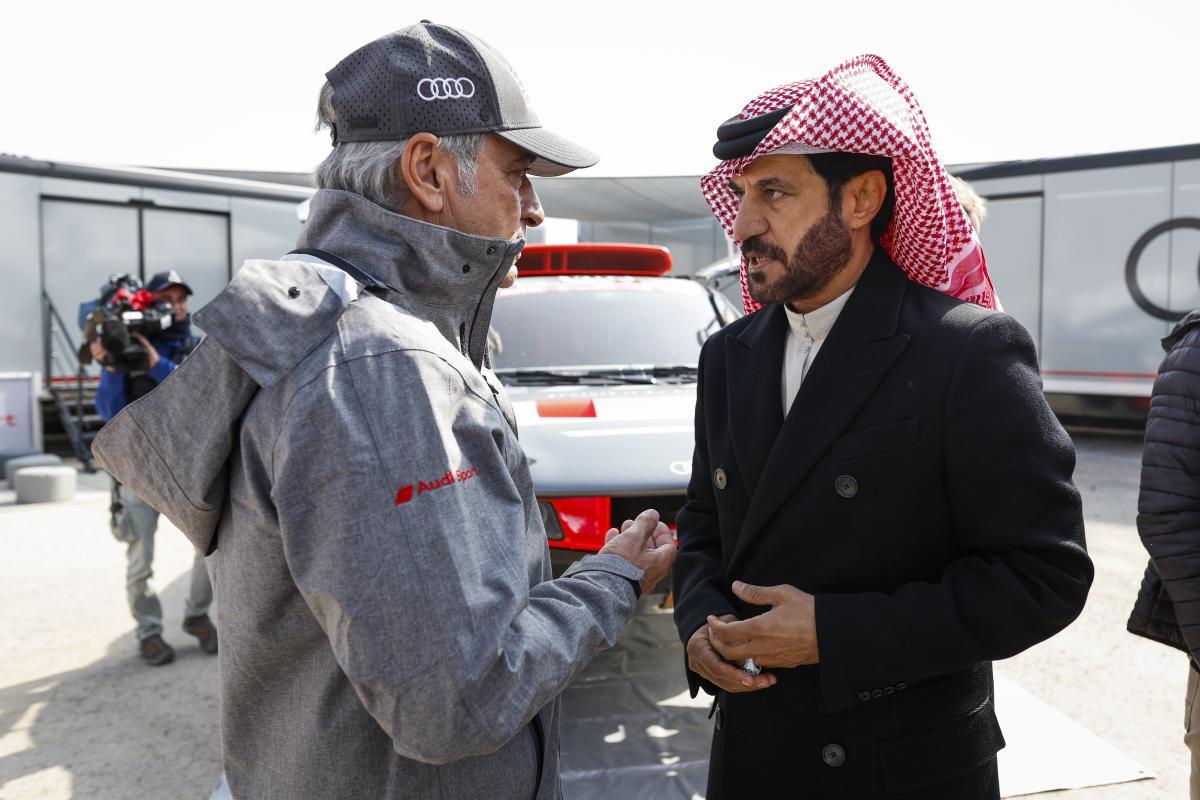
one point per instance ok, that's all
(125, 308)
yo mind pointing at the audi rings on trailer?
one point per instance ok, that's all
(445, 88)
(1135, 255)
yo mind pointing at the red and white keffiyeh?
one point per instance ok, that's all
(862, 106)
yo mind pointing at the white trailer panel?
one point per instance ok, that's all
(21, 300)
(1012, 243)
(1091, 330)
(68, 227)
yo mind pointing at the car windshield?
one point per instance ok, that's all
(601, 327)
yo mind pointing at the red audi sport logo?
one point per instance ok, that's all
(449, 478)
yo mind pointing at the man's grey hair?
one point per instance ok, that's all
(369, 168)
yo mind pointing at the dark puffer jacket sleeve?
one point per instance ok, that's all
(1169, 501)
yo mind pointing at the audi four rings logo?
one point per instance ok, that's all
(445, 89)
(1135, 256)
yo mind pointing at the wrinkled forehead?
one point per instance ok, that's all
(772, 166)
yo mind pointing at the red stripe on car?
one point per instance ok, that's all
(566, 407)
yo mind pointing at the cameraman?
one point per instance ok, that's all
(134, 522)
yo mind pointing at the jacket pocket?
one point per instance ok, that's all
(938, 753)
(879, 439)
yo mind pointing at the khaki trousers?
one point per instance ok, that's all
(1191, 724)
(135, 523)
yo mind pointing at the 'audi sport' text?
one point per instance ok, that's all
(448, 478)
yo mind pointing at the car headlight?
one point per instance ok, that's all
(554, 531)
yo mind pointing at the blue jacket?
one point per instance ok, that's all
(111, 395)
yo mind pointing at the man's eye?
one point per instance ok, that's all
(773, 194)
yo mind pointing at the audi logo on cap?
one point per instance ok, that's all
(445, 89)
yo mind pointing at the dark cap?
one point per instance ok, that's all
(737, 137)
(441, 80)
(161, 280)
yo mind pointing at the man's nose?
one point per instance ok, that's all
(531, 206)
(747, 223)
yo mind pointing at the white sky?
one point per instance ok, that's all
(233, 84)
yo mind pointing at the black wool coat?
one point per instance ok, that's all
(1168, 518)
(921, 489)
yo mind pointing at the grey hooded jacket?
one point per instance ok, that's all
(388, 624)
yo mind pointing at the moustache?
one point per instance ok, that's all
(757, 247)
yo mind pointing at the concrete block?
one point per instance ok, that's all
(37, 460)
(45, 484)
(9, 455)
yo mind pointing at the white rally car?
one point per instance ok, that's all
(597, 345)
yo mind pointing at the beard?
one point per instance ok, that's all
(818, 258)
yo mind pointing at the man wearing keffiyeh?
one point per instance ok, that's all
(881, 501)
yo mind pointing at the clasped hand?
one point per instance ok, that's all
(785, 636)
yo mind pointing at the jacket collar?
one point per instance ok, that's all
(1181, 329)
(438, 274)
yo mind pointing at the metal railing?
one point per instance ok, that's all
(61, 360)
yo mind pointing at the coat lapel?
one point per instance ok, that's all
(754, 362)
(860, 350)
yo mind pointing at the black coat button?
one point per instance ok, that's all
(293, 292)
(720, 479)
(846, 486)
(877, 693)
(864, 696)
(834, 755)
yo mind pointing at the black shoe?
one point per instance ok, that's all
(202, 628)
(155, 651)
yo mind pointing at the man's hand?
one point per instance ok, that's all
(647, 544)
(99, 354)
(785, 636)
(708, 664)
(150, 350)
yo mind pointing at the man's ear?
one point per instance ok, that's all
(863, 197)
(421, 170)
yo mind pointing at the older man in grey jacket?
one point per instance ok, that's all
(350, 463)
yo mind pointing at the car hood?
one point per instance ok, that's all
(607, 440)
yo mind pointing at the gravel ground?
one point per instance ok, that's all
(82, 717)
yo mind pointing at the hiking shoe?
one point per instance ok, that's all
(155, 651)
(202, 628)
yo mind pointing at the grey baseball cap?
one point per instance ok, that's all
(443, 81)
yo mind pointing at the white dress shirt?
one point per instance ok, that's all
(806, 334)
